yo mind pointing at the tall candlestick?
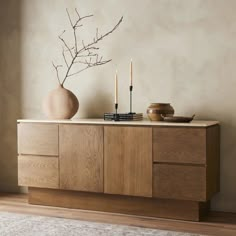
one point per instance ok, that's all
(116, 88)
(131, 86)
(131, 73)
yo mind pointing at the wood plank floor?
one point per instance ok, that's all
(217, 223)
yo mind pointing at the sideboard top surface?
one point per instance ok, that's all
(194, 123)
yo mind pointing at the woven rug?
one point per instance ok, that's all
(12, 224)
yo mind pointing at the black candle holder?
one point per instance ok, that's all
(116, 115)
(130, 116)
(130, 99)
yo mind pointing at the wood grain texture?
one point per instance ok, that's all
(175, 209)
(81, 157)
(179, 182)
(128, 161)
(179, 145)
(38, 139)
(38, 171)
(213, 160)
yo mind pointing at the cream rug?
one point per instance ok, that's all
(12, 224)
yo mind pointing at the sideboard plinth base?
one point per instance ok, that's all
(142, 206)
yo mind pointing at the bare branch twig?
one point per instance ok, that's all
(56, 68)
(102, 36)
(85, 52)
(76, 46)
(69, 17)
(88, 66)
(89, 54)
(64, 56)
(88, 47)
(68, 48)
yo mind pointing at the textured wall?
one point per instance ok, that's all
(10, 91)
(183, 51)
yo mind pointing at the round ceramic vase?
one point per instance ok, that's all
(60, 104)
(156, 111)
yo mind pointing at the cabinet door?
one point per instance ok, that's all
(81, 157)
(128, 161)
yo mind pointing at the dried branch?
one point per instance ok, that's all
(76, 46)
(86, 51)
(64, 57)
(102, 36)
(90, 63)
(56, 68)
(88, 47)
(88, 66)
(74, 29)
(81, 18)
(89, 54)
(76, 25)
(69, 17)
(68, 48)
(77, 13)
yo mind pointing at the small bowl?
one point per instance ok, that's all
(155, 111)
(178, 119)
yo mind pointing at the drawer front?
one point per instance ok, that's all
(179, 182)
(38, 171)
(38, 139)
(179, 145)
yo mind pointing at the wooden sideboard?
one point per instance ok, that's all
(143, 168)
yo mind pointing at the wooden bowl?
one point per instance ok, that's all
(155, 111)
(178, 119)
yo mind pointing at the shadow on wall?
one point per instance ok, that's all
(10, 91)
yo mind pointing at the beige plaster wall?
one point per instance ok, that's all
(184, 52)
(10, 91)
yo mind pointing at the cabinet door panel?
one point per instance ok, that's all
(38, 171)
(179, 182)
(128, 161)
(179, 145)
(38, 139)
(81, 157)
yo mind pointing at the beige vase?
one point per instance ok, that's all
(60, 103)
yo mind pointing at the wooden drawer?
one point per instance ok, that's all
(38, 171)
(179, 182)
(179, 145)
(38, 139)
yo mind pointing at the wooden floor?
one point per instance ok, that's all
(217, 223)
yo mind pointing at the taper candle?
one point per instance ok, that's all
(116, 88)
(131, 73)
